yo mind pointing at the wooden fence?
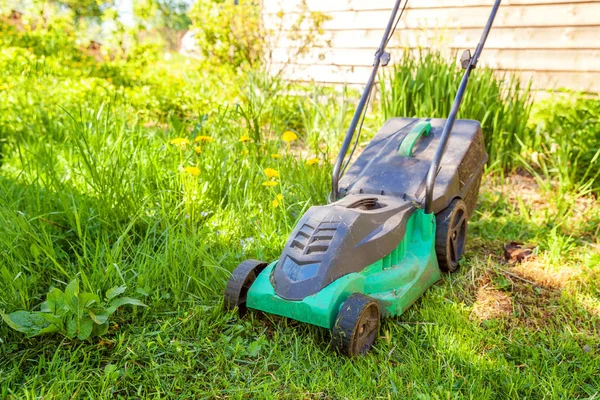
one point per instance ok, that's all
(554, 43)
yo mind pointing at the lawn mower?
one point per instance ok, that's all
(396, 219)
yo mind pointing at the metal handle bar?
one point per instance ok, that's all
(361, 105)
(435, 163)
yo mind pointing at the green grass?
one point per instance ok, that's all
(425, 86)
(90, 186)
(184, 345)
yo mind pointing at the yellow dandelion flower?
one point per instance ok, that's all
(276, 155)
(277, 200)
(312, 161)
(270, 183)
(271, 173)
(245, 152)
(289, 136)
(198, 149)
(245, 138)
(203, 138)
(194, 171)
(109, 79)
(182, 142)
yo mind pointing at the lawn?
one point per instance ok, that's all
(159, 178)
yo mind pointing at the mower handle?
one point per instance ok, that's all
(472, 63)
(337, 168)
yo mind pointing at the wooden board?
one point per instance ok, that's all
(583, 14)
(584, 81)
(274, 6)
(500, 38)
(505, 59)
(556, 43)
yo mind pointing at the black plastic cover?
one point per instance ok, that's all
(337, 239)
(379, 170)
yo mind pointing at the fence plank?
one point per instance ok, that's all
(500, 38)
(274, 6)
(583, 81)
(454, 17)
(555, 42)
(505, 59)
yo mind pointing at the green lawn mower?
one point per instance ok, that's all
(397, 218)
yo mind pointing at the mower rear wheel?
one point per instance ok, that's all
(451, 235)
(357, 325)
(242, 277)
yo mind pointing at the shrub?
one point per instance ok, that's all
(424, 85)
(231, 33)
(565, 145)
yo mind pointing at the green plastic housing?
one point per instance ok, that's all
(396, 281)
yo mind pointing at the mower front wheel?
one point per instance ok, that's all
(242, 277)
(357, 325)
(451, 235)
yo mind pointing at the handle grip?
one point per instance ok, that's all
(421, 129)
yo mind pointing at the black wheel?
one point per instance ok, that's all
(451, 235)
(357, 325)
(242, 277)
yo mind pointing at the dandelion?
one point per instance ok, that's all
(270, 183)
(245, 152)
(198, 149)
(109, 79)
(203, 138)
(271, 173)
(276, 156)
(312, 161)
(181, 142)
(289, 136)
(194, 171)
(245, 138)
(277, 200)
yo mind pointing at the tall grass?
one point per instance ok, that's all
(424, 85)
(565, 149)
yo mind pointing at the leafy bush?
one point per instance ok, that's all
(231, 33)
(424, 85)
(565, 146)
(71, 313)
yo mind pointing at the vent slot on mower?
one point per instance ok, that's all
(368, 204)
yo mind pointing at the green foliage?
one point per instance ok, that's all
(86, 8)
(565, 146)
(71, 313)
(162, 18)
(170, 14)
(425, 86)
(231, 33)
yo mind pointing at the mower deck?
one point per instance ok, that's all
(381, 170)
(395, 281)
